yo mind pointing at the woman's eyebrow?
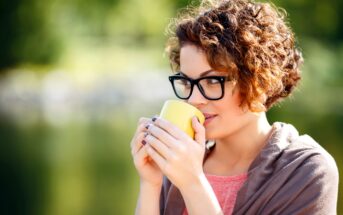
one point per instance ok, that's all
(201, 75)
(206, 72)
(182, 74)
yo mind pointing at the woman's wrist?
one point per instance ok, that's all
(200, 191)
(151, 186)
(149, 198)
(199, 182)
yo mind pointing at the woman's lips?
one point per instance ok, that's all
(208, 118)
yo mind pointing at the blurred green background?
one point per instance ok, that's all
(75, 76)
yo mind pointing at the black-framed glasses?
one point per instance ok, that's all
(211, 87)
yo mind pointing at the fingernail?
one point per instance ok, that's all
(147, 126)
(154, 119)
(146, 134)
(143, 142)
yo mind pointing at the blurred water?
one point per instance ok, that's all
(65, 146)
(58, 96)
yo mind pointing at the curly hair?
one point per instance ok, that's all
(251, 41)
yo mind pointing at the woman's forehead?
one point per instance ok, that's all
(193, 63)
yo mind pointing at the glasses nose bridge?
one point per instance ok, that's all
(196, 83)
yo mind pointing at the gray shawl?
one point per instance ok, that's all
(292, 174)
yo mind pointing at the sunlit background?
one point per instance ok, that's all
(75, 76)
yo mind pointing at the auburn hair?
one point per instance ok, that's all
(251, 41)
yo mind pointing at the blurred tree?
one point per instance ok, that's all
(140, 22)
(317, 19)
(33, 31)
(26, 36)
(94, 14)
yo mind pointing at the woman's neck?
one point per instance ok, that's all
(240, 149)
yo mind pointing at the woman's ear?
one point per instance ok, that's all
(258, 105)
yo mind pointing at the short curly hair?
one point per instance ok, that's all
(249, 40)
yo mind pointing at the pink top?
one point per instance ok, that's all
(226, 189)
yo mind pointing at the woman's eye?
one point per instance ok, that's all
(212, 81)
(184, 82)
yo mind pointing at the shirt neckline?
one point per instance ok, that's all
(227, 177)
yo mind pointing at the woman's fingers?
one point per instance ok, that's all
(143, 120)
(176, 132)
(158, 146)
(136, 142)
(199, 131)
(139, 143)
(140, 156)
(159, 160)
(162, 135)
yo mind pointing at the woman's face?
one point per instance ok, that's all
(224, 117)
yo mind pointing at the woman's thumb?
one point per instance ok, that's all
(199, 131)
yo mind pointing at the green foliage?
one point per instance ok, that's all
(36, 32)
(80, 168)
(317, 19)
(26, 36)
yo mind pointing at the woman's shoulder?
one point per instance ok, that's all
(317, 160)
(302, 151)
(287, 150)
(312, 172)
(292, 174)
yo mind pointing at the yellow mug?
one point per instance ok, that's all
(180, 114)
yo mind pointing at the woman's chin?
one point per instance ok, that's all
(210, 135)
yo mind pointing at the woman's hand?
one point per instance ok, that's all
(148, 171)
(178, 156)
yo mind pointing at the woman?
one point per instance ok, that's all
(233, 60)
